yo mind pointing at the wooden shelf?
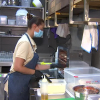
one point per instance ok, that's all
(13, 26)
(11, 7)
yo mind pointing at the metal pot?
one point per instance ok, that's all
(81, 92)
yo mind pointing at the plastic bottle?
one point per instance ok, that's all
(44, 89)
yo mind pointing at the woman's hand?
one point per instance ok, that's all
(38, 73)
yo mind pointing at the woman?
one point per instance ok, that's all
(25, 61)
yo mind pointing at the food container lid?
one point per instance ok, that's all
(3, 16)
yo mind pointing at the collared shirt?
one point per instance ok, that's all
(24, 50)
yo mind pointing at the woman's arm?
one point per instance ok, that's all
(19, 67)
(42, 67)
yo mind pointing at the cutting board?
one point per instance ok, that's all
(64, 99)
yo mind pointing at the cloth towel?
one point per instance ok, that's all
(63, 30)
(90, 37)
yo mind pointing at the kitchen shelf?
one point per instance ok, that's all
(11, 7)
(12, 26)
(87, 5)
(10, 11)
(10, 36)
(15, 36)
(60, 11)
(71, 8)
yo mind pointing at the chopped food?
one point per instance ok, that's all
(88, 89)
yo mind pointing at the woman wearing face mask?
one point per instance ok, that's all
(25, 61)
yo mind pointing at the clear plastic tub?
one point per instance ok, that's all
(3, 20)
(94, 97)
(11, 22)
(58, 86)
(73, 64)
(21, 20)
(25, 3)
(21, 17)
(81, 76)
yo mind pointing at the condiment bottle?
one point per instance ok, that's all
(44, 89)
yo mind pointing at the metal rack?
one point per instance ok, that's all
(13, 26)
(12, 36)
(21, 7)
(15, 8)
(78, 5)
(56, 16)
(86, 4)
(63, 13)
(29, 8)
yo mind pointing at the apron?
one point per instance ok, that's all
(18, 83)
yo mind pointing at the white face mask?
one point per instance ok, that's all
(38, 34)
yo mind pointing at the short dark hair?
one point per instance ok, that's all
(34, 20)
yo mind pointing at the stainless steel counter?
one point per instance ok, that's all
(34, 96)
(33, 92)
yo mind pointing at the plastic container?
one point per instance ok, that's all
(44, 89)
(81, 76)
(3, 20)
(58, 86)
(25, 3)
(74, 64)
(94, 97)
(21, 17)
(11, 22)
